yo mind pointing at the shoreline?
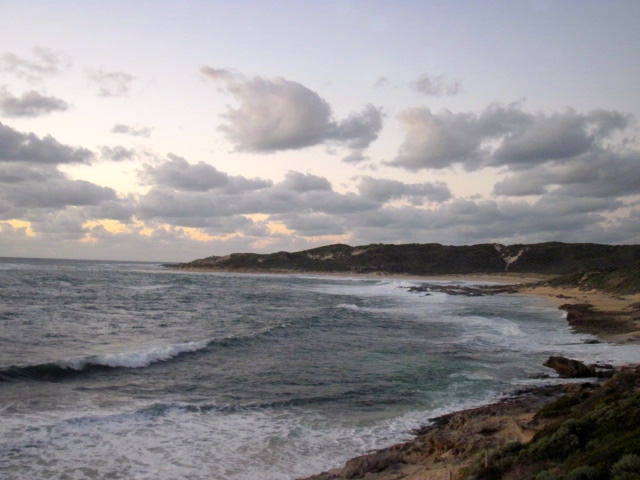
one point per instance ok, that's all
(604, 306)
(460, 444)
(463, 444)
(449, 446)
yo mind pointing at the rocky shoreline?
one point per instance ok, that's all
(506, 440)
(509, 439)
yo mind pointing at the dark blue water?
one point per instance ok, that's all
(130, 370)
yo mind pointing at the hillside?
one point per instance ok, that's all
(554, 258)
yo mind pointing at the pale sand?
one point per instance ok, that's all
(601, 301)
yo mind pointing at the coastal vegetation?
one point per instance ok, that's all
(553, 258)
(586, 431)
(593, 437)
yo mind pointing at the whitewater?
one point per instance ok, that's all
(134, 371)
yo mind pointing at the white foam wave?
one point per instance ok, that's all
(134, 359)
(349, 306)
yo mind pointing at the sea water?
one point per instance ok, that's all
(134, 371)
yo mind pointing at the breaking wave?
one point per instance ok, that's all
(59, 370)
(56, 371)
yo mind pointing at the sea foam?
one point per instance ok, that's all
(134, 359)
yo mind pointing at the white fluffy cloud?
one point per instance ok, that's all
(278, 114)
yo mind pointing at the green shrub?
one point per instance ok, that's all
(544, 475)
(627, 468)
(562, 406)
(584, 472)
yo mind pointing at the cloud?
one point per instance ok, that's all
(557, 136)
(601, 173)
(384, 190)
(239, 214)
(31, 188)
(275, 114)
(30, 104)
(178, 174)
(133, 131)
(437, 140)
(46, 63)
(501, 136)
(111, 84)
(300, 182)
(184, 201)
(435, 86)
(313, 224)
(359, 130)
(382, 82)
(27, 147)
(469, 222)
(117, 153)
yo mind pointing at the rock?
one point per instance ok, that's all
(371, 463)
(569, 368)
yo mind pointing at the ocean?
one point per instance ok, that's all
(115, 370)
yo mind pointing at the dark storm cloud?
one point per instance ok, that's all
(27, 147)
(45, 63)
(133, 131)
(30, 104)
(276, 114)
(111, 84)
(435, 86)
(501, 136)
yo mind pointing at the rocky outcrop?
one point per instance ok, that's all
(583, 317)
(441, 449)
(570, 368)
(560, 431)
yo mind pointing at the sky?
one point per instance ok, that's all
(173, 130)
